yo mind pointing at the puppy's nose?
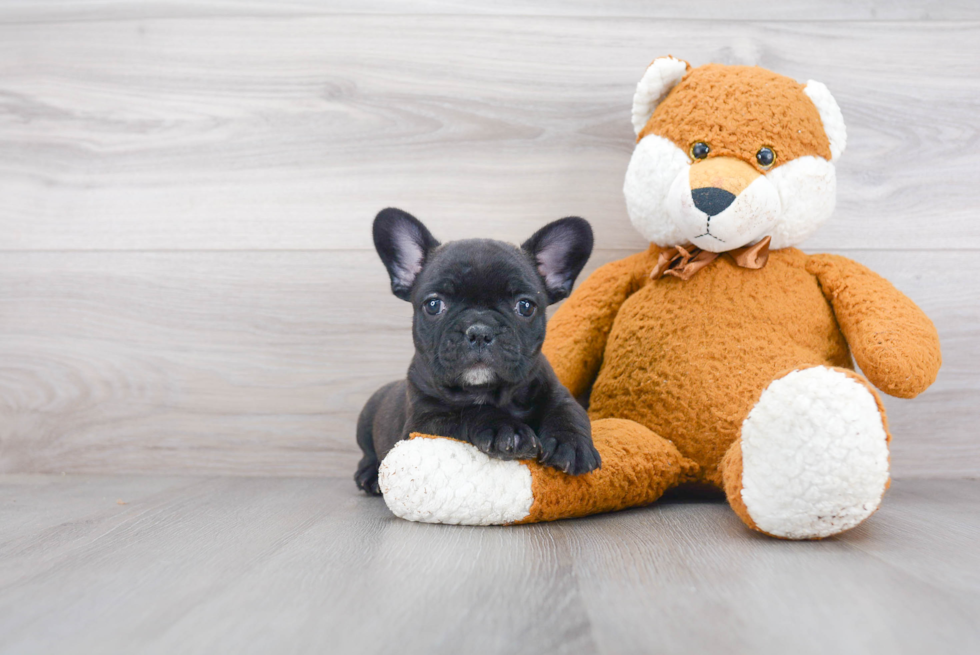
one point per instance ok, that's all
(479, 335)
(712, 200)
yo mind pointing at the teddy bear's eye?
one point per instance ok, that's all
(765, 157)
(700, 150)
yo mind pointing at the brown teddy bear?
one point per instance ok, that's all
(722, 355)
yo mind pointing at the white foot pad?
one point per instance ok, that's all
(448, 481)
(814, 455)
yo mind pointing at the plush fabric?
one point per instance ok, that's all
(893, 342)
(660, 77)
(638, 466)
(738, 109)
(812, 457)
(670, 351)
(438, 480)
(735, 110)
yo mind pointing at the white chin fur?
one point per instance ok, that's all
(478, 375)
(749, 218)
(814, 455)
(447, 481)
(656, 162)
(804, 198)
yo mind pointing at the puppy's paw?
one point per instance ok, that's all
(366, 477)
(570, 452)
(507, 440)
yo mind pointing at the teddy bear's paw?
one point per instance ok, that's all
(814, 455)
(448, 481)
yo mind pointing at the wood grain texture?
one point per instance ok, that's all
(258, 363)
(238, 362)
(300, 565)
(831, 10)
(290, 133)
(186, 277)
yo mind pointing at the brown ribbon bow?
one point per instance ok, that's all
(684, 261)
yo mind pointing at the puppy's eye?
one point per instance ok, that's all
(700, 150)
(434, 306)
(525, 308)
(765, 157)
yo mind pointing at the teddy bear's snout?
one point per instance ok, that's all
(723, 203)
(726, 174)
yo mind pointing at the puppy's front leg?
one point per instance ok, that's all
(565, 434)
(490, 429)
(500, 435)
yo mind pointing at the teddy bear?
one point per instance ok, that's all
(721, 355)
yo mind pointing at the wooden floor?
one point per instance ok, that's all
(308, 565)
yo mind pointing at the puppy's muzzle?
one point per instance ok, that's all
(479, 336)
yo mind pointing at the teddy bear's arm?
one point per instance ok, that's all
(893, 341)
(577, 332)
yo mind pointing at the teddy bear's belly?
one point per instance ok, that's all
(688, 359)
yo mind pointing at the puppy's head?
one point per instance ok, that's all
(479, 305)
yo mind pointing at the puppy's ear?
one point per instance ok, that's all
(403, 244)
(560, 250)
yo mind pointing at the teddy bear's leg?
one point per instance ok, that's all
(438, 480)
(812, 457)
(638, 466)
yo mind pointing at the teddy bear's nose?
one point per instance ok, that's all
(712, 200)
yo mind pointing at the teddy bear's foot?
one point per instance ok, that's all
(812, 459)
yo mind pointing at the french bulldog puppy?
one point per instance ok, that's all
(478, 374)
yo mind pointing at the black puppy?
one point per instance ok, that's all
(478, 374)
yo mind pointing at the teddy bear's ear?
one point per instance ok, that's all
(661, 76)
(833, 120)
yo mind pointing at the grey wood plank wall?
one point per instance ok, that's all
(187, 282)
